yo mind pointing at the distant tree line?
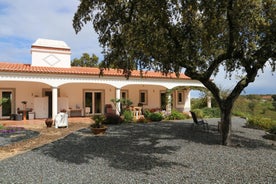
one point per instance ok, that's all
(86, 61)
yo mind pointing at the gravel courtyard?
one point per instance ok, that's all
(148, 153)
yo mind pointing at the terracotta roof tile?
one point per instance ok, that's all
(27, 68)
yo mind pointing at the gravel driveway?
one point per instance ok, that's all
(148, 153)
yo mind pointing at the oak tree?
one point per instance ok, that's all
(196, 37)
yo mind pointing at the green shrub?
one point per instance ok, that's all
(98, 118)
(147, 113)
(198, 112)
(128, 116)
(156, 116)
(272, 130)
(274, 104)
(1, 127)
(198, 103)
(251, 106)
(240, 114)
(175, 115)
(260, 123)
(211, 112)
(112, 119)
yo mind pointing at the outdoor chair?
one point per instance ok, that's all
(61, 120)
(198, 123)
(87, 111)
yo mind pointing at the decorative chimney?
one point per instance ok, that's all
(51, 53)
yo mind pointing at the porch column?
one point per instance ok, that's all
(209, 102)
(54, 101)
(169, 103)
(118, 105)
(187, 104)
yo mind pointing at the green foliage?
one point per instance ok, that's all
(128, 116)
(86, 61)
(199, 113)
(98, 121)
(200, 36)
(115, 101)
(112, 119)
(156, 116)
(125, 103)
(211, 112)
(207, 112)
(253, 97)
(241, 106)
(272, 130)
(198, 103)
(3, 100)
(251, 106)
(176, 115)
(274, 104)
(142, 33)
(260, 122)
(246, 107)
(1, 126)
(240, 114)
(147, 113)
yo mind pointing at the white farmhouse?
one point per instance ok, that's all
(49, 84)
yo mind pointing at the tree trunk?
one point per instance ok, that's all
(226, 125)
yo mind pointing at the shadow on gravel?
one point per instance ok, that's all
(244, 142)
(134, 147)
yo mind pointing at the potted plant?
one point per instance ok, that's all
(125, 104)
(112, 119)
(98, 127)
(63, 110)
(49, 122)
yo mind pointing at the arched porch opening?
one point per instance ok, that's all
(25, 97)
(158, 97)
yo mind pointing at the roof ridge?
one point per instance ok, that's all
(77, 70)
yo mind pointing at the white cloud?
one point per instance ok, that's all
(42, 19)
(264, 83)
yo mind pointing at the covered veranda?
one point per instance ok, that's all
(46, 93)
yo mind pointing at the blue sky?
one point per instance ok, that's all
(22, 22)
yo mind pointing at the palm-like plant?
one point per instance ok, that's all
(98, 121)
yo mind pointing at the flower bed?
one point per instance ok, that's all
(9, 130)
(10, 135)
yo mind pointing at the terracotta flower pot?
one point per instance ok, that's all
(97, 131)
(49, 122)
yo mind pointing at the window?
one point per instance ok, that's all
(7, 105)
(124, 94)
(163, 100)
(143, 97)
(94, 101)
(180, 97)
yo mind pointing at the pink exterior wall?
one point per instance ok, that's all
(152, 91)
(24, 91)
(74, 92)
